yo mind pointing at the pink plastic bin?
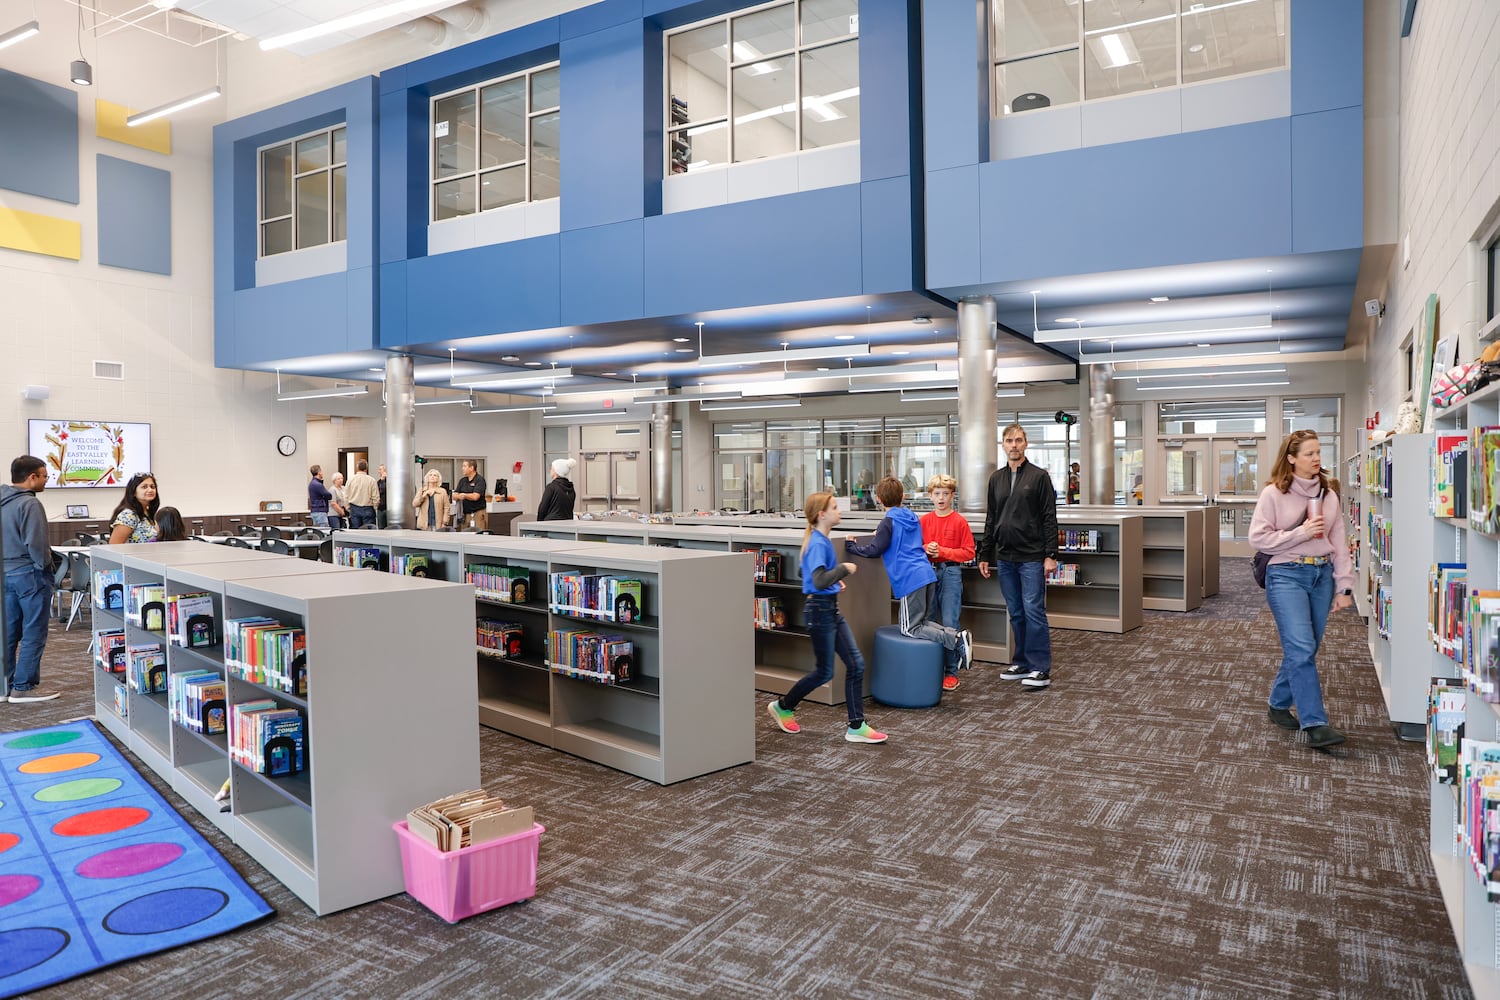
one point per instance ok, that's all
(470, 880)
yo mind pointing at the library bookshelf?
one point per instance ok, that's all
(325, 831)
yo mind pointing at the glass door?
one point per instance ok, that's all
(1237, 482)
(1185, 461)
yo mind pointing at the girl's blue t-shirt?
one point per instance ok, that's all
(817, 554)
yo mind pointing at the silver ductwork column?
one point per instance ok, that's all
(400, 441)
(977, 449)
(1101, 466)
(661, 458)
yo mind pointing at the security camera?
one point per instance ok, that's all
(1374, 307)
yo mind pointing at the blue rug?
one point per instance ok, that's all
(95, 867)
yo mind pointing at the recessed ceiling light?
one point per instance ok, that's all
(901, 354)
(822, 369)
(921, 320)
(679, 340)
(608, 374)
(1205, 345)
(684, 350)
(510, 357)
(1067, 319)
(1158, 298)
(533, 364)
(843, 336)
(377, 369)
(1195, 48)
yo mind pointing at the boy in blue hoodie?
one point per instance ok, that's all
(898, 541)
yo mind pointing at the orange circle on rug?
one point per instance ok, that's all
(101, 821)
(58, 762)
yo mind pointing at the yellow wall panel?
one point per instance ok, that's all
(43, 234)
(109, 123)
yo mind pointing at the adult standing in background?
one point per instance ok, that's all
(380, 514)
(134, 517)
(1020, 540)
(468, 493)
(557, 498)
(338, 506)
(1075, 482)
(1297, 523)
(431, 503)
(317, 497)
(28, 579)
(363, 493)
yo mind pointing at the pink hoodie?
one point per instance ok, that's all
(1276, 528)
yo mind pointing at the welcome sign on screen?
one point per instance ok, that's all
(83, 453)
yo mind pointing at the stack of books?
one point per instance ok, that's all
(607, 659)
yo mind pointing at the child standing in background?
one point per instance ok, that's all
(822, 579)
(898, 541)
(169, 526)
(949, 544)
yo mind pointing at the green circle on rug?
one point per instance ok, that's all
(38, 740)
(83, 788)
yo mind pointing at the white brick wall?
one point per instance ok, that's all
(1449, 181)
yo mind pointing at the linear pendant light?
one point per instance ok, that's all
(511, 379)
(543, 407)
(766, 404)
(1248, 349)
(777, 357)
(338, 390)
(143, 117)
(1198, 371)
(1179, 328)
(20, 34)
(363, 17)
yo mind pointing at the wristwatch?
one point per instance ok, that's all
(1347, 592)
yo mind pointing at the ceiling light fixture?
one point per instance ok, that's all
(378, 13)
(927, 395)
(1036, 373)
(1208, 385)
(929, 368)
(80, 72)
(445, 402)
(20, 34)
(510, 357)
(1249, 349)
(576, 414)
(921, 320)
(1196, 372)
(681, 340)
(1009, 391)
(778, 357)
(514, 409)
(338, 390)
(1190, 327)
(511, 379)
(1159, 298)
(143, 117)
(848, 336)
(1066, 319)
(768, 404)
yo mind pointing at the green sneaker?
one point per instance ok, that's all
(785, 718)
(864, 734)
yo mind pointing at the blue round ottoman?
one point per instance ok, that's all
(905, 672)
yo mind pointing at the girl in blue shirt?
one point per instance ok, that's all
(822, 579)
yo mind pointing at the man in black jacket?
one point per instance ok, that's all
(1020, 540)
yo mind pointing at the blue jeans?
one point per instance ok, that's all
(28, 600)
(1300, 596)
(1024, 585)
(318, 518)
(830, 634)
(361, 517)
(950, 594)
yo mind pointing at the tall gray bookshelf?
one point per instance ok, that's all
(324, 832)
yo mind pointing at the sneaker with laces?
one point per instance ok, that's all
(1015, 672)
(950, 683)
(864, 734)
(785, 718)
(1036, 680)
(965, 649)
(34, 694)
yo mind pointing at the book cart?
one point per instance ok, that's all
(1463, 825)
(323, 830)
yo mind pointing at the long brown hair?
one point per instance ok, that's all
(816, 504)
(1281, 472)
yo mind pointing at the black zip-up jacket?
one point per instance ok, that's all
(557, 501)
(1027, 532)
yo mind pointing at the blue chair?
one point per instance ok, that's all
(905, 672)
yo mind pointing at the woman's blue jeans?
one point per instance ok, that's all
(1300, 596)
(830, 634)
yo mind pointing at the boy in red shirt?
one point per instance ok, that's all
(949, 544)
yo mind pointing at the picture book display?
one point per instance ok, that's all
(195, 701)
(267, 738)
(1479, 811)
(358, 556)
(110, 652)
(109, 589)
(144, 606)
(1481, 656)
(263, 651)
(1446, 596)
(588, 595)
(146, 668)
(607, 659)
(192, 621)
(411, 564)
(1445, 728)
(1484, 479)
(1448, 476)
(500, 584)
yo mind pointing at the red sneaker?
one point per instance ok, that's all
(950, 683)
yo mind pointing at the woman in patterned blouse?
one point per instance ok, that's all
(134, 519)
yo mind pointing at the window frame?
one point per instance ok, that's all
(478, 172)
(795, 53)
(261, 221)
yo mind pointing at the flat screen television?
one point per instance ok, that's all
(89, 453)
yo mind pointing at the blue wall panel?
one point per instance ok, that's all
(135, 215)
(492, 289)
(1327, 58)
(391, 311)
(603, 110)
(953, 225)
(291, 320)
(793, 248)
(603, 273)
(886, 235)
(888, 126)
(596, 17)
(38, 138)
(1328, 193)
(954, 84)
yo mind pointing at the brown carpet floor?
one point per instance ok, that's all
(1139, 830)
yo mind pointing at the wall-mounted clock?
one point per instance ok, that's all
(286, 444)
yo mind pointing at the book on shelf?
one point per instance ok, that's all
(110, 652)
(503, 638)
(1446, 605)
(411, 564)
(147, 668)
(607, 659)
(191, 620)
(770, 613)
(240, 740)
(1065, 575)
(1484, 479)
(1479, 811)
(358, 556)
(189, 695)
(768, 563)
(1383, 611)
(268, 739)
(501, 584)
(1078, 539)
(144, 606)
(264, 651)
(109, 589)
(1448, 470)
(1445, 728)
(595, 595)
(122, 702)
(1481, 660)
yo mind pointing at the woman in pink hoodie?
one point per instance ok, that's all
(1297, 523)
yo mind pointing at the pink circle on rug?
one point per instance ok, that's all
(101, 821)
(134, 859)
(7, 841)
(14, 888)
